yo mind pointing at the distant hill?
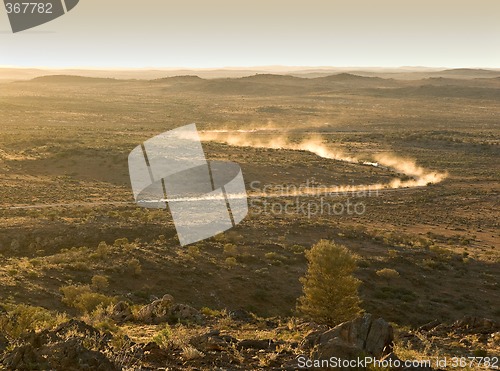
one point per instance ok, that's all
(469, 73)
(183, 78)
(458, 73)
(264, 85)
(476, 82)
(451, 91)
(69, 79)
(347, 77)
(286, 85)
(272, 78)
(404, 73)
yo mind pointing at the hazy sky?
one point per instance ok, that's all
(217, 33)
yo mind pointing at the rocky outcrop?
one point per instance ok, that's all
(76, 345)
(241, 315)
(185, 313)
(73, 345)
(165, 310)
(364, 335)
(261, 344)
(121, 312)
(156, 312)
(213, 341)
(476, 325)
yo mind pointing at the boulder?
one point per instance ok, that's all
(476, 325)
(153, 353)
(20, 358)
(121, 312)
(69, 329)
(185, 313)
(73, 355)
(264, 344)
(165, 310)
(156, 312)
(364, 335)
(380, 338)
(241, 315)
(212, 341)
(73, 345)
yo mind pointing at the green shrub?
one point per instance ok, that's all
(392, 253)
(231, 262)
(230, 249)
(163, 337)
(121, 242)
(100, 282)
(102, 250)
(210, 312)
(193, 251)
(72, 292)
(83, 299)
(134, 267)
(297, 249)
(330, 292)
(221, 237)
(89, 301)
(388, 273)
(21, 319)
(275, 256)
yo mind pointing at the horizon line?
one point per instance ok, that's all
(256, 67)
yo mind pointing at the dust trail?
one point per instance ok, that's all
(240, 139)
(418, 175)
(421, 176)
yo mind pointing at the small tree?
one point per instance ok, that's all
(330, 292)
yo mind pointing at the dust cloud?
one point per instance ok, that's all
(415, 175)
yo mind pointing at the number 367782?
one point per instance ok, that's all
(29, 8)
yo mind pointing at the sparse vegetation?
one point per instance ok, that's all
(190, 353)
(99, 282)
(424, 253)
(83, 298)
(134, 267)
(388, 273)
(163, 337)
(330, 289)
(18, 320)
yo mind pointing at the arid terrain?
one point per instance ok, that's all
(426, 244)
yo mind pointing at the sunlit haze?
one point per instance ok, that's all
(219, 33)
